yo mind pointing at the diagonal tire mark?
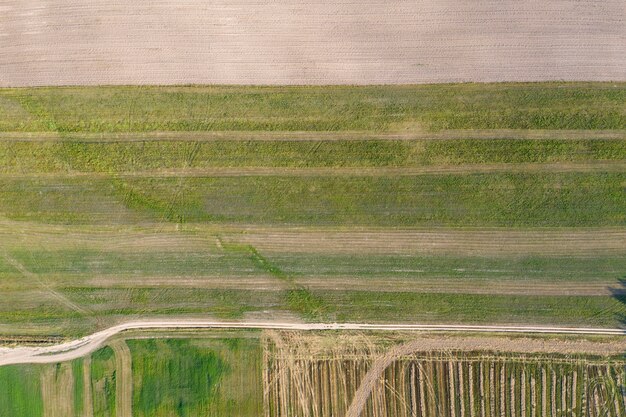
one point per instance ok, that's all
(43, 283)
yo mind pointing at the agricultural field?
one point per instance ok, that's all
(455, 203)
(212, 375)
(309, 376)
(286, 373)
(243, 208)
(161, 42)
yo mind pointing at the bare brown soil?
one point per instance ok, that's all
(123, 379)
(57, 390)
(87, 394)
(324, 345)
(70, 42)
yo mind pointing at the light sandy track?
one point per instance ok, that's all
(81, 347)
(599, 166)
(63, 42)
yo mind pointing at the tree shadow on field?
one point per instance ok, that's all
(619, 293)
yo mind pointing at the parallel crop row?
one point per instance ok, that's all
(439, 384)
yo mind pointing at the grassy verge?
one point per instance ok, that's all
(454, 106)
(478, 200)
(509, 200)
(150, 155)
(469, 268)
(471, 308)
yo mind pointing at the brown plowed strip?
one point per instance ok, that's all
(87, 395)
(123, 379)
(286, 136)
(57, 386)
(158, 42)
(603, 166)
(490, 242)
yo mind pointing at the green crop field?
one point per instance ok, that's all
(469, 203)
(219, 375)
(326, 108)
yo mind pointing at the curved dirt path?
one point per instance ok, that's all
(84, 346)
(375, 372)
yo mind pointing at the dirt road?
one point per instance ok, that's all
(81, 347)
(78, 42)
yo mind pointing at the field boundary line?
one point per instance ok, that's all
(583, 167)
(341, 135)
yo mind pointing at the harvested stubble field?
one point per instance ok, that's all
(70, 42)
(490, 203)
(360, 375)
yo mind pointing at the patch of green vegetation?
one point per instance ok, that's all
(173, 300)
(265, 265)
(417, 267)
(477, 200)
(20, 391)
(33, 307)
(189, 378)
(601, 311)
(77, 372)
(64, 201)
(89, 262)
(307, 304)
(116, 157)
(103, 382)
(511, 200)
(453, 106)
(490, 151)
(175, 378)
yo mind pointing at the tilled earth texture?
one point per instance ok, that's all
(91, 42)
